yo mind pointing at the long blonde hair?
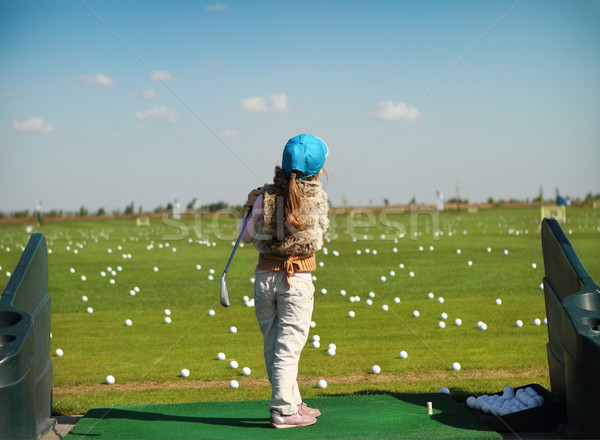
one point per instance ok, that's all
(294, 209)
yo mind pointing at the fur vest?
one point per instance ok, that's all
(275, 236)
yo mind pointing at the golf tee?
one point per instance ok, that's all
(430, 408)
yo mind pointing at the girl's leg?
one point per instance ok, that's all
(294, 312)
(265, 309)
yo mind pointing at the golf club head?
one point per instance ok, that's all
(225, 302)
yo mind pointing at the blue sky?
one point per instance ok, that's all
(106, 102)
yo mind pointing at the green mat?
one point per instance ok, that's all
(402, 416)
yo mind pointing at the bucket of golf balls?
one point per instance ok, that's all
(527, 408)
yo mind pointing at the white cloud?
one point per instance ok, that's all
(99, 79)
(217, 7)
(33, 125)
(229, 133)
(157, 114)
(258, 104)
(387, 110)
(146, 93)
(212, 63)
(161, 76)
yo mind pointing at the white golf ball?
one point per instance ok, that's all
(233, 364)
(324, 291)
(519, 323)
(458, 321)
(316, 344)
(83, 278)
(232, 329)
(469, 263)
(167, 312)
(444, 315)
(331, 352)
(184, 373)
(471, 401)
(392, 273)
(537, 321)
(371, 294)
(411, 274)
(441, 324)
(128, 322)
(430, 295)
(155, 269)
(234, 384)
(456, 366)
(397, 300)
(533, 265)
(343, 292)
(441, 299)
(375, 369)
(211, 312)
(369, 302)
(167, 320)
(444, 390)
(132, 292)
(351, 314)
(483, 326)
(313, 324)
(383, 278)
(505, 251)
(221, 356)
(109, 380)
(498, 301)
(84, 298)
(72, 270)
(322, 383)
(58, 352)
(458, 251)
(246, 371)
(489, 249)
(90, 310)
(332, 346)
(385, 307)
(416, 313)
(316, 338)
(403, 354)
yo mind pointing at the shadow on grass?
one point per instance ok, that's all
(116, 413)
(446, 410)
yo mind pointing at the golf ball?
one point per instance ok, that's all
(332, 346)
(416, 313)
(441, 299)
(90, 310)
(155, 269)
(167, 312)
(322, 383)
(375, 369)
(444, 390)
(109, 380)
(411, 274)
(343, 292)
(331, 352)
(458, 321)
(519, 323)
(385, 307)
(234, 384)
(441, 324)
(444, 315)
(397, 300)
(533, 265)
(167, 320)
(313, 324)
(537, 321)
(83, 278)
(403, 354)
(246, 371)
(184, 373)
(316, 344)
(316, 338)
(211, 312)
(456, 366)
(58, 352)
(369, 302)
(505, 251)
(458, 251)
(469, 263)
(383, 278)
(351, 314)
(232, 329)
(233, 364)
(430, 295)
(498, 301)
(84, 298)
(128, 322)
(221, 356)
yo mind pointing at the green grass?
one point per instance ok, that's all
(146, 358)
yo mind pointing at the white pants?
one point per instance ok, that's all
(283, 315)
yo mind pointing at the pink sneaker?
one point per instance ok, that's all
(293, 421)
(304, 409)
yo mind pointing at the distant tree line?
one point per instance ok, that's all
(217, 206)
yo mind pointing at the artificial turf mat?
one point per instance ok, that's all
(401, 416)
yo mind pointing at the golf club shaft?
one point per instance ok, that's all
(248, 211)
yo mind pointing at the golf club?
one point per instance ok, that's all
(225, 301)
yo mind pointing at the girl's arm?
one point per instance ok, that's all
(250, 231)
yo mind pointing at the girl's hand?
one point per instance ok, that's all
(252, 196)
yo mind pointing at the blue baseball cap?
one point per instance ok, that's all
(304, 153)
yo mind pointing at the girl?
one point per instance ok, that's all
(288, 219)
